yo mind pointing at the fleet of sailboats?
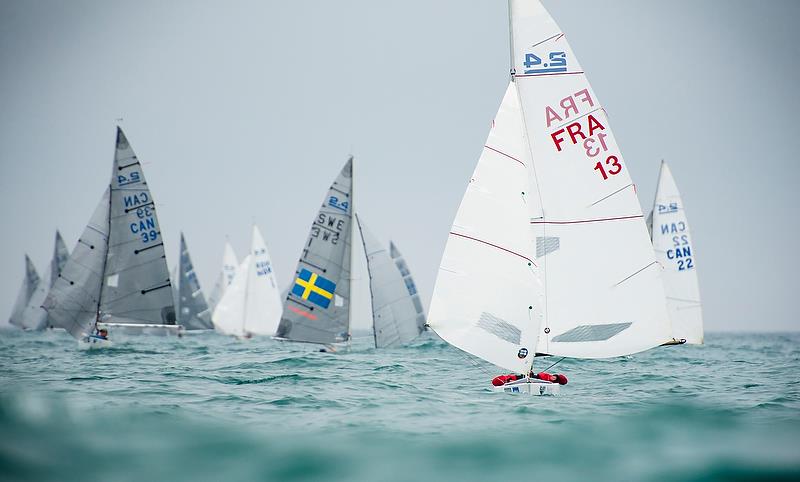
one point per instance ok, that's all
(525, 272)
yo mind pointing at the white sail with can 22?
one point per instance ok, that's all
(525, 270)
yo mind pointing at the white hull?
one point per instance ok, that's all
(530, 387)
(142, 329)
(94, 343)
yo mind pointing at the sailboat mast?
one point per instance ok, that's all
(108, 238)
(510, 44)
(352, 230)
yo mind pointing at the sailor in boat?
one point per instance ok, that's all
(101, 334)
(501, 380)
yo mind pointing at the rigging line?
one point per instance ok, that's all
(596, 220)
(634, 274)
(615, 192)
(504, 154)
(545, 40)
(495, 246)
(554, 364)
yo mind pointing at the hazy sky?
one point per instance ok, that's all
(245, 111)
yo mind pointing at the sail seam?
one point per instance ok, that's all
(583, 221)
(495, 246)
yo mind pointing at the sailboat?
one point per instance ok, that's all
(396, 309)
(251, 304)
(549, 253)
(228, 271)
(672, 242)
(30, 283)
(192, 310)
(28, 313)
(317, 307)
(116, 277)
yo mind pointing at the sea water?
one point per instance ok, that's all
(212, 408)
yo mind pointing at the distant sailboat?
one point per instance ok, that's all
(192, 310)
(396, 310)
(117, 277)
(672, 242)
(527, 268)
(229, 265)
(317, 307)
(60, 257)
(30, 282)
(251, 304)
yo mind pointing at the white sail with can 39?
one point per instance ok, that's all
(317, 306)
(525, 270)
(396, 310)
(672, 241)
(251, 304)
(116, 277)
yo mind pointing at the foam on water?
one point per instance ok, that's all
(208, 407)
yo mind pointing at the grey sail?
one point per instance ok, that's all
(29, 285)
(60, 256)
(74, 299)
(393, 312)
(136, 286)
(316, 309)
(411, 287)
(193, 311)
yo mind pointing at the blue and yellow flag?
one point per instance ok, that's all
(314, 288)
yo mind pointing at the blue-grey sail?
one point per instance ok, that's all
(317, 306)
(193, 311)
(29, 284)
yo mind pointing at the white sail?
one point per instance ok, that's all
(251, 304)
(29, 284)
(394, 315)
(229, 265)
(674, 249)
(484, 301)
(603, 290)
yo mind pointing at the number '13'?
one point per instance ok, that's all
(612, 161)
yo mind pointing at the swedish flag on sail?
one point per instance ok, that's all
(314, 288)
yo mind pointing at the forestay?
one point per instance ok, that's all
(136, 286)
(394, 314)
(484, 301)
(673, 245)
(192, 309)
(229, 265)
(251, 304)
(73, 301)
(316, 309)
(603, 290)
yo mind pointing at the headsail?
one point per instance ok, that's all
(394, 314)
(60, 256)
(484, 301)
(136, 287)
(603, 291)
(411, 287)
(229, 265)
(317, 307)
(29, 284)
(191, 306)
(73, 301)
(251, 304)
(673, 245)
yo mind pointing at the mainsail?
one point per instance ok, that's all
(29, 284)
(251, 304)
(603, 293)
(60, 256)
(229, 265)
(117, 272)
(396, 319)
(411, 287)
(673, 246)
(191, 306)
(317, 306)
